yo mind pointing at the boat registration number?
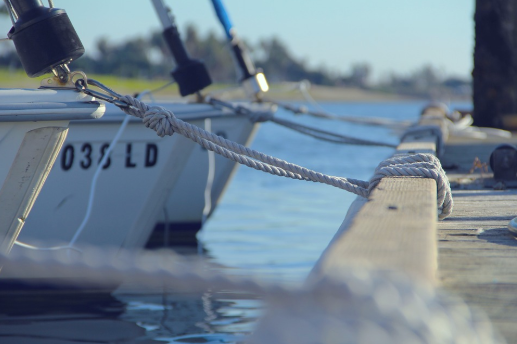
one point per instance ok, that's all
(85, 156)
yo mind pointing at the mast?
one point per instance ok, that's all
(252, 80)
(190, 74)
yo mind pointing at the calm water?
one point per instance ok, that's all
(266, 226)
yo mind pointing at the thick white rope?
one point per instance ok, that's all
(418, 165)
(164, 123)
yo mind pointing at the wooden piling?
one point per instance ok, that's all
(495, 64)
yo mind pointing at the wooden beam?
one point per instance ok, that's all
(395, 229)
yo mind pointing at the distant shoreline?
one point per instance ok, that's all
(336, 94)
(281, 92)
(345, 94)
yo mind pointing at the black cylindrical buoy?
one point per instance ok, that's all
(44, 37)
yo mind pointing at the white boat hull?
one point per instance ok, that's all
(33, 127)
(149, 180)
(146, 177)
(182, 214)
(130, 190)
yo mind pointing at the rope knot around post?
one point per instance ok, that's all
(417, 165)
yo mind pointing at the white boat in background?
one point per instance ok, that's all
(114, 180)
(147, 181)
(33, 127)
(187, 206)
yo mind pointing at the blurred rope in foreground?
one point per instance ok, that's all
(358, 306)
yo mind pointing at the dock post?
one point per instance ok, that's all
(495, 64)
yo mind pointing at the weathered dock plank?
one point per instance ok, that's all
(396, 228)
(477, 254)
(471, 253)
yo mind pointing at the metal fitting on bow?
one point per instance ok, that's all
(109, 95)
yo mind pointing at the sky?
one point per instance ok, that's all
(390, 35)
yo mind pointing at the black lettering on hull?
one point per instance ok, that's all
(151, 155)
(67, 157)
(129, 149)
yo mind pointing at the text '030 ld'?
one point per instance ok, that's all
(87, 155)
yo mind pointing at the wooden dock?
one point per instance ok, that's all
(470, 254)
(477, 254)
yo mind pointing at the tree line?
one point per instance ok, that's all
(149, 58)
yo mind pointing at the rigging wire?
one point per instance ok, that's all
(12, 13)
(149, 93)
(304, 86)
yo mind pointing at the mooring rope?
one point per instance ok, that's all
(426, 130)
(424, 165)
(164, 122)
(304, 86)
(329, 136)
(268, 116)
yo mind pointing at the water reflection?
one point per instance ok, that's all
(127, 315)
(59, 317)
(213, 316)
(188, 318)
